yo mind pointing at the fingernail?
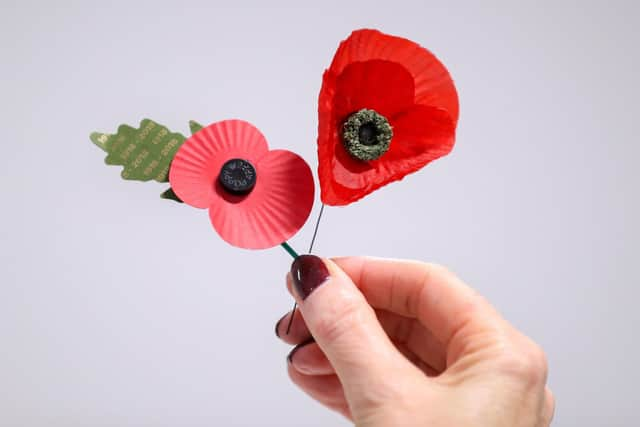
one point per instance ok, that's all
(298, 347)
(308, 272)
(278, 325)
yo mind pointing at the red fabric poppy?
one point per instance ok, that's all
(278, 190)
(399, 80)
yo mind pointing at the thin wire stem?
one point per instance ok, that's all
(315, 230)
(313, 240)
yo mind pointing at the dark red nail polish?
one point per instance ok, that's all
(298, 347)
(308, 272)
(278, 324)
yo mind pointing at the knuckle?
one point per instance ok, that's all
(439, 272)
(550, 400)
(538, 363)
(434, 269)
(528, 363)
(550, 405)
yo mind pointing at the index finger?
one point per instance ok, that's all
(427, 292)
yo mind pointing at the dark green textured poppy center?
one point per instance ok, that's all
(366, 135)
(237, 176)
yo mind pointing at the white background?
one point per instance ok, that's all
(121, 309)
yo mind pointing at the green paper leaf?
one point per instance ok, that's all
(194, 126)
(145, 152)
(171, 195)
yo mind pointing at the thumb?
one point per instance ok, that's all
(345, 326)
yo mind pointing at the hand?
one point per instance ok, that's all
(403, 343)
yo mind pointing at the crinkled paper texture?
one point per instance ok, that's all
(276, 208)
(400, 80)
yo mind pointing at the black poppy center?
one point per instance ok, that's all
(366, 135)
(237, 176)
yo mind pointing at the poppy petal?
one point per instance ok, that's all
(327, 140)
(196, 166)
(421, 135)
(433, 84)
(383, 86)
(277, 207)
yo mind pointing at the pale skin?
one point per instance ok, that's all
(405, 343)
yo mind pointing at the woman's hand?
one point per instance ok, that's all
(404, 343)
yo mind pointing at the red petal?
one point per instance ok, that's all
(433, 84)
(277, 207)
(327, 140)
(421, 135)
(383, 86)
(195, 167)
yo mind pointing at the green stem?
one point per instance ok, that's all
(289, 249)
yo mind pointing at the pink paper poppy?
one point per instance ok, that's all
(256, 198)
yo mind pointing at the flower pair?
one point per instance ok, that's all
(387, 107)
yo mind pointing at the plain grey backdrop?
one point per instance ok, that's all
(121, 309)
